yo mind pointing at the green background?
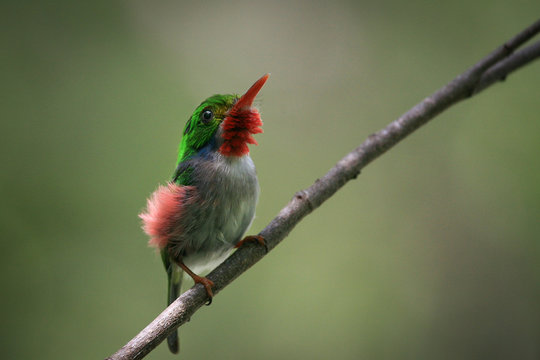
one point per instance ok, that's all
(432, 253)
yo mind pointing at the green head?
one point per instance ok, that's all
(203, 124)
(227, 121)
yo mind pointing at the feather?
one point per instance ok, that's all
(162, 219)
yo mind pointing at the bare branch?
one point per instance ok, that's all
(499, 71)
(496, 66)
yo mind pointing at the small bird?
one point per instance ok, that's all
(203, 212)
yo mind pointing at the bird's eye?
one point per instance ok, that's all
(207, 116)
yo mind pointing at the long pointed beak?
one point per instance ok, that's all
(246, 101)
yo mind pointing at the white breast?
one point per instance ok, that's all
(230, 189)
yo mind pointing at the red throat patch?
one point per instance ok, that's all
(241, 122)
(163, 214)
(238, 127)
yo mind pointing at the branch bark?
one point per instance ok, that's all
(494, 67)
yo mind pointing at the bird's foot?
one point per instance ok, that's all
(207, 283)
(250, 238)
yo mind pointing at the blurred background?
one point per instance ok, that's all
(432, 253)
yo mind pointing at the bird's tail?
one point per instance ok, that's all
(174, 276)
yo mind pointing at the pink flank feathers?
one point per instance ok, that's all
(163, 214)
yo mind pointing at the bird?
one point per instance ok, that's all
(202, 214)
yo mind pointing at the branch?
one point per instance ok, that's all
(494, 67)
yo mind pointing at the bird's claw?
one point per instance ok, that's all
(250, 238)
(207, 283)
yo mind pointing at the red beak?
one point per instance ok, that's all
(241, 122)
(247, 99)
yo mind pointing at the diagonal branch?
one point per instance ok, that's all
(494, 67)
